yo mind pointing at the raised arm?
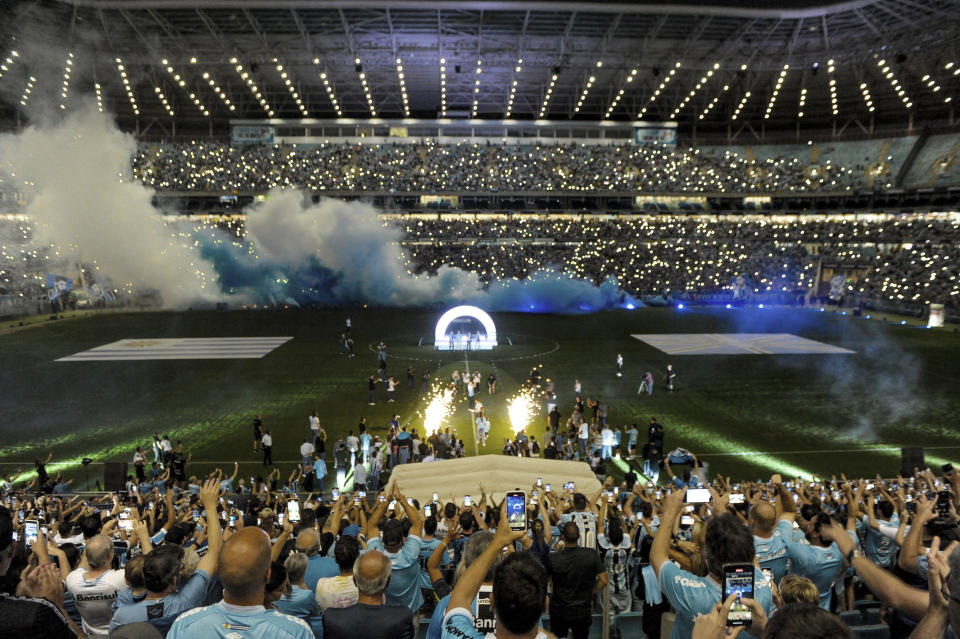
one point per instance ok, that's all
(912, 546)
(469, 582)
(659, 555)
(210, 498)
(433, 564)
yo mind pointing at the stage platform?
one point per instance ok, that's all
(497, 473)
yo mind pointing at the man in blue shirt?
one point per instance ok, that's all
(404, 555)
(164, 601)
(244, 570)
(771, 537)
(726, 541)
(319, 470)
(690, 479)
(821, 560)
(308, 542)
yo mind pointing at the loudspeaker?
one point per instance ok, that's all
(911, 458)
(114, 476)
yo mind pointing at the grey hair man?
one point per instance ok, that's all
(371, 573)
(95, 587)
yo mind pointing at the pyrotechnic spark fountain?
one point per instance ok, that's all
(522, 408)
(439, 407)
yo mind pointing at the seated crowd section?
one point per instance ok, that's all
(643, 555)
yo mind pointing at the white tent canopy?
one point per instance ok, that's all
(497, 473)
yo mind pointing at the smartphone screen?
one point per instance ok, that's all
(738, 580)
(539, 482)
(570, 486)
(31, 530)
(293, 509)
(467, 501)
(436, 497)
(280, 518)
(943, 504)
(547, 487)
(427, 510)
(125, 524)
(736, 498)
(687, 520)
(233, 521)
(410, 501)
(335, 494)
(362, 494)
(698, 495)
(517, 510)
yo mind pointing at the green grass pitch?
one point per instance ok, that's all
(747, 416)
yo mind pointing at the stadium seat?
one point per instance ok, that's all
(852, 617)
(875, 631)
(629, 624)
(871, 616)
(596, 627)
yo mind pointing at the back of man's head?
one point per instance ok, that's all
(99, 551)
(727, 541)
(570, 534)
(244, 563)
(467, 522)
(763, 518)
(430, 525)
(519, 592)
(579, 501)
(476, 544)
(371, 573)
(392, 533)
(797, 589)
(886, 508)
(90, 526)
(308, 542)
(346, 552)
(805, 621)
(161, 567)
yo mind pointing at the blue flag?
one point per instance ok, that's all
(57, 285)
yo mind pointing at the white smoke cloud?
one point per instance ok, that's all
(84, 200)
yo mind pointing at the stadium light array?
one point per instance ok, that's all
(96, 86)
(254, 89)
(865, 91)
(706, 111)
(546, 98)
(218, 91)
(740, 105)
(803, 101)
(443, 87)
(934, 86)
(834, 106)
(288, 82)
(68, 67)
(329, 87)
(620, 93)
(183, 85)
(895, 83)
(776, 91)
(27, 91)
(700, 84)
(403, 88)
(126, 85)
(586, 89)
(476, 89)
(163, 100)
(366, 87)
(9, 61)
(659, 89)
(948, 66)
(513, 87)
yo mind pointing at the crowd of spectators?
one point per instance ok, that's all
(469, 166)
(206, 556)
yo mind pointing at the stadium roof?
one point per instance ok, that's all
(721, 65)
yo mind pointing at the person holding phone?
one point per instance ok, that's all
(727, 540)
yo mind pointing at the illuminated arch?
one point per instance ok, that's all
(442, 343)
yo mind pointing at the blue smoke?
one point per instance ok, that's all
(339, 253)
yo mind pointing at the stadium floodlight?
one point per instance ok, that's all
(554, 76)
(324, 77)
(934, 86)
(288, 82)
(403, 88)
(706, 111)
(586, 89)
(513, 87)
(163, 100)
(126, 85)
(68, 67)
(27, 91)
(895, 83)
(616, 99)
(776, 91)
(218, 91)
(740, 105)
(182, 83)
(254, 89)
(443, 87)
(96, 86)
(476, 89)
(659, 89)
(833, 89)
(9, 61)
(803, 101)
(865, 92)
(358, 67)
(700, 84)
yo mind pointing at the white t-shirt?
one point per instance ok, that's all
(336, 592)
(584, 431)
(166, 445)
(359, 474)
(314, 423)
(353, 443)
(306, 449)
(607, 437)
(95, 597)
(267, 440)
